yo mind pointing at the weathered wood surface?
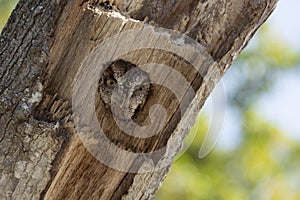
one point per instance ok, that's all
(42, 50)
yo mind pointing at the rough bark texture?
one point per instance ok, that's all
(42, 49)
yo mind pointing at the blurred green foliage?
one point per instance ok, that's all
(6, 7)
(269, 48)
(265, 164)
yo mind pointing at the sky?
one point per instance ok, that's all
(285, 21)
(281, 105)
(284, 109)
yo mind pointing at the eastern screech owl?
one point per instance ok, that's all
(124, 88)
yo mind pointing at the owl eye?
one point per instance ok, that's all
(140, 89)
(111, 82)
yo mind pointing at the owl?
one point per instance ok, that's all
(123, 87)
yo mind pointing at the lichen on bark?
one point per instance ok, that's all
(27, 146)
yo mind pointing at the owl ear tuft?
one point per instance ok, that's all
(124, 63)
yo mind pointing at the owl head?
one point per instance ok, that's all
(123, 88)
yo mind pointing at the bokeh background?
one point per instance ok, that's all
(257, 156)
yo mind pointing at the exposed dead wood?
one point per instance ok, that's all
(44, 48)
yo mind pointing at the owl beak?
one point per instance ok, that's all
(124, 102)
(121, 100)
(121, 103)
(125, 99)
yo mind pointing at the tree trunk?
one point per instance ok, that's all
(49, 147)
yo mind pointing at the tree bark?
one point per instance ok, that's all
(43, 53)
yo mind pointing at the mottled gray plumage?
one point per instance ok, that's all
(124, 88)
